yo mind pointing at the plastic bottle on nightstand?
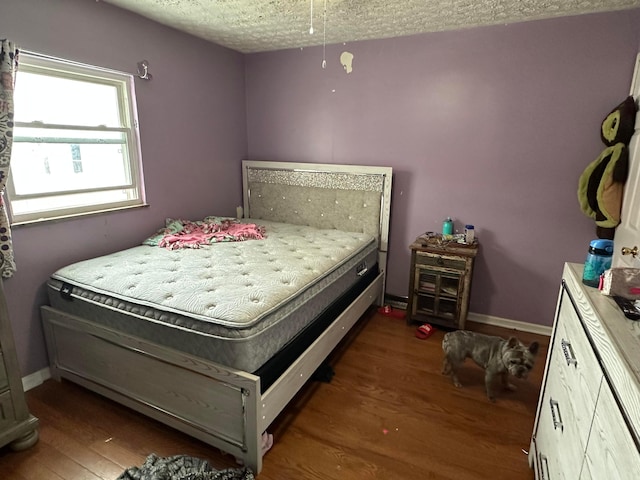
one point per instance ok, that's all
(469, 234)
(447, 227)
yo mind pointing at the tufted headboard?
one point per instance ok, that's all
(345, 197)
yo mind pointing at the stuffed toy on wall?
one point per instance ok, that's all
(601, 185)
(618, 126)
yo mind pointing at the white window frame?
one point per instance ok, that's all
(133, 188)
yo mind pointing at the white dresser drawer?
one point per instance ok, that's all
(558, 440)
(586, 474)
(577, 367)
(611, 453)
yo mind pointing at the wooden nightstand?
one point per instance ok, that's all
(440, 282)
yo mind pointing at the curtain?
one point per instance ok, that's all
(8, 66)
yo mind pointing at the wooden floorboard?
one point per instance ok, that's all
(388, 413)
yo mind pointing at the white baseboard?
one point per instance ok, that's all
(35, 379)
(401, 302)
(510, 324)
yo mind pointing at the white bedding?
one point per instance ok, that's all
(264, 273)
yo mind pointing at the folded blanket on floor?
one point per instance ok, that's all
(182, 467)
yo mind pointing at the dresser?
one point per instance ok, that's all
(588, 417)
(18, 428)
(440, 281)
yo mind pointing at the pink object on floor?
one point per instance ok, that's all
(424, 331)
(388, 311)
(267, 442)
(265, 446)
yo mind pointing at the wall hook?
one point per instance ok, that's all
(143, 70)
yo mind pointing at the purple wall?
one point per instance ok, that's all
(492, 126)
(193, 131)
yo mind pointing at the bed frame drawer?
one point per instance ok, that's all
(188, 393)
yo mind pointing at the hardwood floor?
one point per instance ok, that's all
(388, 413)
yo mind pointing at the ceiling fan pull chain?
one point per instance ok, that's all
(324, 36)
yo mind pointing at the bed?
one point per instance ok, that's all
(219, 358)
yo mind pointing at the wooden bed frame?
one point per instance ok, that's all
(221, 406)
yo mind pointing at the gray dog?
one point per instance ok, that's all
(499, 357)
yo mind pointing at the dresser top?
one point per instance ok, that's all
(613, 334)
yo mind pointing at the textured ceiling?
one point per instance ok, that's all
(263, 25)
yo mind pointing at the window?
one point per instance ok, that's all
(76, 148)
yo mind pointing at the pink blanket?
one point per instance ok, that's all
(190, 234)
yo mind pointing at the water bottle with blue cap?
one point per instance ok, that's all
(598, 260)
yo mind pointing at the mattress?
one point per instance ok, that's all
(234, 303)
